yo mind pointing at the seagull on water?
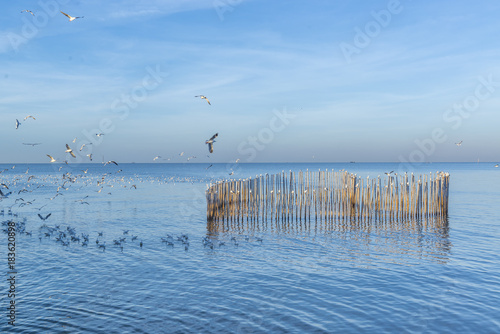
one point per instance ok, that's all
(211, 142)
(459, 143)
(17, 124)
(71, 18)
(51, 158)
(28, 11)
(204, 98)
(70, 151)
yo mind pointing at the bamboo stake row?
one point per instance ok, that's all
(328, 195)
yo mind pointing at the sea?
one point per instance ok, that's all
(127, 249)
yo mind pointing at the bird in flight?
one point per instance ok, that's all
(32, 144)
(459, 143)
(389, 173)
(70, 151)
(211, 142)
(17, 124)
(204, 98)
(28, 11)
(156, 158)
(44, 218)
(181, 154)
(99, 134)
(51, 158)
(29, 116)
(71, 18)
(496, 165)
(110, 162)
(90, 156)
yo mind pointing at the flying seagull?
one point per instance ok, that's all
(71, 18)
(389, 173)
(459, 143)
(29, 116)
(51, 158)
(99, 134)
(156, 158)
(32, 144)
(211, 142)
(28, 11)
(496, 165)
(90, 156)
(44, 218)
(204, 98)
(17, 124)
(70, 151)
(110, 162)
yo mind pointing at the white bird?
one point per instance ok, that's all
(17, 124)
(459, 143)
(71, 18)
(211, 142)
(70, 151)
(237, 160)
(29, 116)
(99, 134)
(110, 162)
(156, 158)
(28, 11)
(51, 158)
(181, 154)
(90, 156)
(204, 98)
(496, 165)
(74, 140)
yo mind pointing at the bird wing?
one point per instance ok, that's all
(208, 101)
(210, 147)
(68, 16)
(67, 146)
(72, 154)
(214, 136)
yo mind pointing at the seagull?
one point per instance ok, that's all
(459, 143)
(237, 160)
(32, 144)
(90, 156)
(17, 124)
(99, 134)
(389, 173)
(210, 143)
(71, 18)
(203, 97)
(74, 140)
(51, 158)
(28, 11)
(232, 173)
(70, 151)
(110, 162)
(156, 158)
(29, 116)
(209, 166)
(44, 218)
(181, 154)
(496, 165)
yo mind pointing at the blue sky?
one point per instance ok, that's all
(288, 81)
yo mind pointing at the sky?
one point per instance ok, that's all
(288, 81)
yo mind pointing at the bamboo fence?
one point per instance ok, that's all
(328, 196)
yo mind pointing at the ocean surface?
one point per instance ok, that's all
(433, 276)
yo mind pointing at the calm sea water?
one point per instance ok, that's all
(430, 276)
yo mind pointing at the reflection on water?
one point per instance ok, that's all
(391, 240)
